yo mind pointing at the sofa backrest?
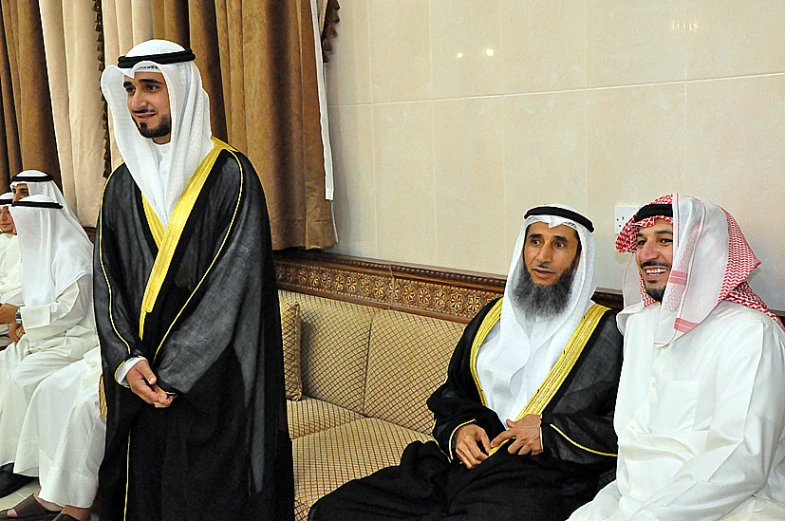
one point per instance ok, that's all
(407, 360)
(334, 339)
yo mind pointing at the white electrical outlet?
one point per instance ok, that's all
(622, 214)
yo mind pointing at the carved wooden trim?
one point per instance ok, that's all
(450, 295)
(447, 294)
(611, 298)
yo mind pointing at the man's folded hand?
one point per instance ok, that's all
(472, 445)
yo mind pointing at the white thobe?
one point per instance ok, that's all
(11, 273)
(62, 439)
(56, 335)
(5, 240)
(10, 278)
(700, 423)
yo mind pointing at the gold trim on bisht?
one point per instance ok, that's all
(490, 320)
(103, 268)
(587, 449)
(102, 407)
(174, 230)
(451, 455)
(153, 222)
(215, 258)
(560, 370)
(167, 240)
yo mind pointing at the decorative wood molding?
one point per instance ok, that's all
(450, 295)
(447, 294)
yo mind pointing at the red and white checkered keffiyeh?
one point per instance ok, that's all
(711, 263)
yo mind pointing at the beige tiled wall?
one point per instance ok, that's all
(450, 117)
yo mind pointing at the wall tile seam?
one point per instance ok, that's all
(560, 91)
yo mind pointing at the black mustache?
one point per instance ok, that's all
(143, 111)
(652, 263)
(542, 266)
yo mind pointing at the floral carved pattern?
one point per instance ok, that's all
(402, 293)
(451, 295)
(332, 282)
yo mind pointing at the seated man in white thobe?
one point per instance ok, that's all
(35, 182)
(62, 442)
(700, 414)
(57, 322)
(24, 184)
(6, 222)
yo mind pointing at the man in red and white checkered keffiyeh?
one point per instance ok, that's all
(700, 411)
(712, 261)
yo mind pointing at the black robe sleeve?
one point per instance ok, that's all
(116, 314)
(457, 402)
(582, 409)
(234, 304)
(213, 338)
(577, 425)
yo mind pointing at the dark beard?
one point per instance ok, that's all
(543, 301)
(655, 293)
(164, 129)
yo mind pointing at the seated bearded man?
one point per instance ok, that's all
(701, 408)
(524, 421)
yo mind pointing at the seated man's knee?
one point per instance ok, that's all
(320, 511)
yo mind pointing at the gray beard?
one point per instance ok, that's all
(539, 300)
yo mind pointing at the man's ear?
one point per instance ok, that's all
(578, 250)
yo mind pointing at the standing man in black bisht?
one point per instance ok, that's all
(524, 422)
(187, 310)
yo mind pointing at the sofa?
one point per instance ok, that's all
(364, 376)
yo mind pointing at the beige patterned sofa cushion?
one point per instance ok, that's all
(407, 361)
(334, 338)
(286, 296)
(326, 460)
(290, 333)
(310, 415)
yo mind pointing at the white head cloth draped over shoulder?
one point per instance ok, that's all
(513, 364)
(40, 183)
(711, 262)
(55, 250)
(162, 181)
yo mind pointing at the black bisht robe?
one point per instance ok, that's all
(430, 484)
(222, 449)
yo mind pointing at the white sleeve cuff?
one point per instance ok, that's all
(35, 316)
(126, 366)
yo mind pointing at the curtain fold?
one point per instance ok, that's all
(125, 23)
(258, 64)
(321, 82)
(74, 69)
(258, 60)
(10, 152)
(203, 33)
(28, 134)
